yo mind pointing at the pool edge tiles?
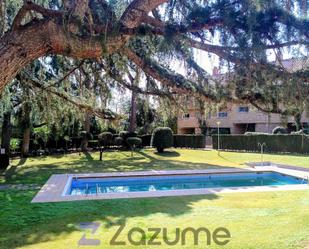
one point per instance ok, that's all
(57, 185)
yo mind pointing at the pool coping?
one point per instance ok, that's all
(54, 189)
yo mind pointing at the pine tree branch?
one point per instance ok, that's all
(30, 6)
(133, 14)
(103, 114)
(167, 77)
(124, 83)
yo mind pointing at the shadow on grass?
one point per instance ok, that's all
(22, 161)
(62, 218)
(168, 154)
(228, 160)
(113, 162)
(36, 223)
(11, 170)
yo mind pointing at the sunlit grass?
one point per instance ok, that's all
(38, 170)
(269, 220)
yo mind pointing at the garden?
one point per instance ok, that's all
(255, 220)
(148, 124)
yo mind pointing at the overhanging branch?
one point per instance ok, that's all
(103, 114)
(166, 77)
(133, 14)
(30, 6)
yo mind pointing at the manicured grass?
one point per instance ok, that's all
(38, 170)
(269, 220)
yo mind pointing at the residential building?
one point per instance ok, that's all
(234, 119)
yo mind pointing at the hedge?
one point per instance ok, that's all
(189, 141)
(181, 141)
(274, 143)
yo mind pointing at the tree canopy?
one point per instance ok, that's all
(72, 56)
(152, 35)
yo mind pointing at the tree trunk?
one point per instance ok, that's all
(6, 132)
(132, 126)
(26, 142)
(297, 119)
(26, 124)
(87, 125)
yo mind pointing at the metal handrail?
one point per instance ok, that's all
(262, 151)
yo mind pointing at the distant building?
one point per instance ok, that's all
(235, 119)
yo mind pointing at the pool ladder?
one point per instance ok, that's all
(304, 179)
(96, 189)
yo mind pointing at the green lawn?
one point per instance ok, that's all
(255, 220)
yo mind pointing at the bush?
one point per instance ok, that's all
(162, 138)
(146, 140)
(105, 138)
(280, 130)
(134, 142)
(118, 141)
(125, 135)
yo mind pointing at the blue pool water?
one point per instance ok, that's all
(82, 186)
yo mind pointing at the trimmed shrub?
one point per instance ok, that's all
(105, 138)
(189, 141)
(274, 143)
(280, 130)
(125, 135)
(146, 140)
(134, 142)
(118, 141)
(162, 138)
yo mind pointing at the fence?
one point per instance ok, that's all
(274, 143)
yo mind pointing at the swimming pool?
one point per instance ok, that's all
(104, 185)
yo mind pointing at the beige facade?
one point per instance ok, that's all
(236, 119)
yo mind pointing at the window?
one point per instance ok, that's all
(222, 114)
(243, 109)
(186, 115)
